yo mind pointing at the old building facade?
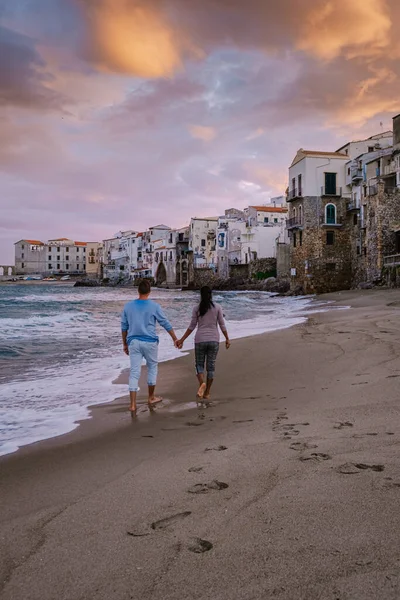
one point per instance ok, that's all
(319, 234)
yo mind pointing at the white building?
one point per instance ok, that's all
(61, 256)
(267, 215)
(30, 257)
(315, 174)
(202, 241)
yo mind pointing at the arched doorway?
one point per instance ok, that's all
(10, 271)
(161, 276)
(1, 271)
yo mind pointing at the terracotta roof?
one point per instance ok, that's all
(80, 243)
(60, 240)
(34, 242)
(316, 153)
(278, 209)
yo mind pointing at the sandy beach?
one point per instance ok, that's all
(288, 487)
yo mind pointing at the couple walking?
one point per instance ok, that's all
(140, 340)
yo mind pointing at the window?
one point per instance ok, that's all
(348, 171)
(203, 243)
(67, 267)
(355, 219)
(58, 267)
(358, 249)
(300, 238)
(330, 238)
(266, 219)
(22, 255)
(330, 214)
(170, 255)
(170, 238)
(330, 184)
(300, 184)
(67, 257)
(300, 214)
(294, 240)
(275, 220)
(58, 249)
(157, 255)
(365, 250)
(22, 265)
(23, 246)
(330, 266)
(77, 267)
(84, 250)
(49, 256)
(58, 257)
(50, 266)
(67, 249)
(294, 185)
(122, 268)
(294, 213)
(370, 148)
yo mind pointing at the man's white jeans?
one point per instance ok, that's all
(138, 351)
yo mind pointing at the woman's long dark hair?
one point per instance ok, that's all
(206, 300)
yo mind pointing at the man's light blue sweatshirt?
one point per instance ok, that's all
(139, 319)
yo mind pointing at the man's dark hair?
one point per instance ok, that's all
(144, 287)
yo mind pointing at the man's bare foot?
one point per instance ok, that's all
(153, 401)
(201, 390)
(132, 410)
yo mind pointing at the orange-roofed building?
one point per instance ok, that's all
(59, 256)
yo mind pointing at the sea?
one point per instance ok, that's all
(60, 348)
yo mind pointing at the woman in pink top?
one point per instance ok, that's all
(206, 316)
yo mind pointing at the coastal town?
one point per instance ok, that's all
(336, 228)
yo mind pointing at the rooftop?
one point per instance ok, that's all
(33, 242)
(278, 209)
(316, 154)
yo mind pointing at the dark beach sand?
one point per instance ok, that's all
(305, 433)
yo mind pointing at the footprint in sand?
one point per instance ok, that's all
(216, 449)
(301, 446)
(169, 521)
(355, 468)
(204, 488)
(316, 457)
(343, 424)
(196, 469)
(244, 421)
(390, 483)
(198, 546)
(193, 424)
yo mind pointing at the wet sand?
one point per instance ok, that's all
(287, 488)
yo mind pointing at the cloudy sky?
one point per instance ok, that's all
(121, 114)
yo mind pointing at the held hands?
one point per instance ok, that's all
(178, 344)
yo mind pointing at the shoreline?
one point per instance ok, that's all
(304, 440)
(122, 377)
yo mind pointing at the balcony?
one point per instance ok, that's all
(392, 261)
(389, 170)
(372, 190)
(294, 223)
(331, 191)
(356, 174)
(295, 193)
(353, 206)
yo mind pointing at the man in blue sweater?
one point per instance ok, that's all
(140, 340)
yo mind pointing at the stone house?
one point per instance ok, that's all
(94, 260)
(203, 242)
(318, 226)
(266, 215)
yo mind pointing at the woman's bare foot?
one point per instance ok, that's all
(201, 390)
(153, 401)
(132, 410)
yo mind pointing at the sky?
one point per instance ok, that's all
(123, 114)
